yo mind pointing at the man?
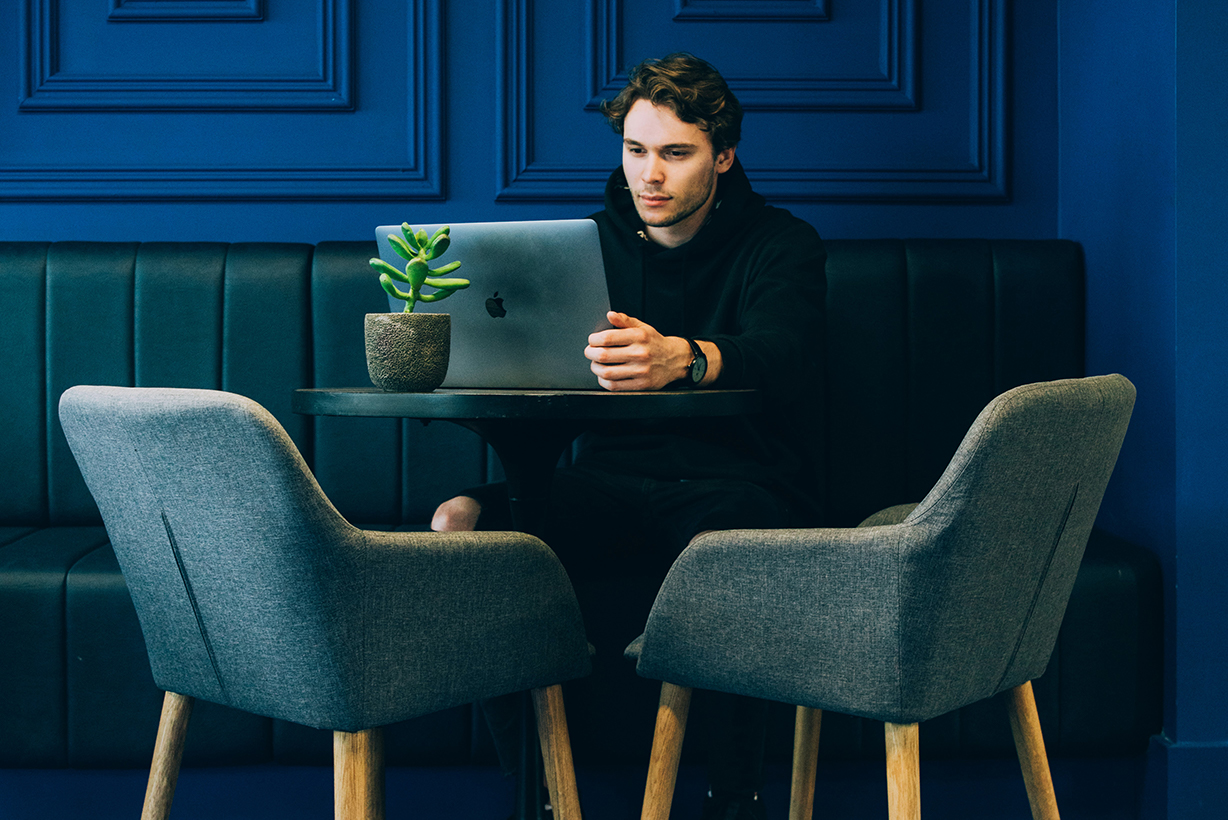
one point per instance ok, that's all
(710, 287)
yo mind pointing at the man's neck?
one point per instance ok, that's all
(674, 236)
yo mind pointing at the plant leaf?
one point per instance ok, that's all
(417, 271)
(393, 290)
(410, 238)
(385, 268)
(401, 247)
(453, 284)
(437, 295)
(438, 248)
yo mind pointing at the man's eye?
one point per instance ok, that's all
(678, 154)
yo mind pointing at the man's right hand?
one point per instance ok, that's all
(634, 356)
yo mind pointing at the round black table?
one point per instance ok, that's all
(528, 429)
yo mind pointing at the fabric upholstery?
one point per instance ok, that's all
(253, 592)
(959, 600)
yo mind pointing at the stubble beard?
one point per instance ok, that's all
(688, 207)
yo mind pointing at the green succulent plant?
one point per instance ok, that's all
(418, 250)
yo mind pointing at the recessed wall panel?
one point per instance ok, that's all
(787, 60)
(152, 11)
(78, 59)
(850, 107)
(312, 101)
(751, 10)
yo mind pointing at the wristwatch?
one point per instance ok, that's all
(698, 366)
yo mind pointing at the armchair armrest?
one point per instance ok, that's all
(491, 612)
(779, 613)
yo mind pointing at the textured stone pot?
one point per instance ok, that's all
(408, 352)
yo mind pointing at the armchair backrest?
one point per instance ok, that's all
(924, 609)
(989, 557)
(254, 592)
(229, 548)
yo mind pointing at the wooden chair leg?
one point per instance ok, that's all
(168, 753)
(1030, 744)
(805, 762)
(903, 771)
(556, 752)
(358, 775)
(666, 751)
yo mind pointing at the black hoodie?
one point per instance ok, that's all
(752, 282)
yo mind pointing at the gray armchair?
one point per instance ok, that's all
(921, 610)
(253, 592)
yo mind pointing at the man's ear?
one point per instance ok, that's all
(724, 159)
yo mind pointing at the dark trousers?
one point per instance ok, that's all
(601, 525)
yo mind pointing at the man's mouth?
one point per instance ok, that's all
(653, 200)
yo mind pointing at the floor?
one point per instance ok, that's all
(950, 790)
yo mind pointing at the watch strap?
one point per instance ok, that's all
(696, 354)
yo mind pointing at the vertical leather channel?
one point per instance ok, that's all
(867, 365)
(266, 329)
(950, 345)
(178, 316)
(23, 380)
(89, 341)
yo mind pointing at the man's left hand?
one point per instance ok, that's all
(634, 356)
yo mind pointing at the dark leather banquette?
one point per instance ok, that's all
(919, 335)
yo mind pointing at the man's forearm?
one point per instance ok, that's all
(714, 361)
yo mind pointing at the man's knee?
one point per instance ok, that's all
(459, 514)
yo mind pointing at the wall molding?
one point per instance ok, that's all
(419, 178)
(46, 87)
(802, 11)
(893, 89)
(158, 11)
(984, 177)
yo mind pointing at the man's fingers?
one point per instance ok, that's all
(627, 330)
(623, 320)
(619, 337)
(626, 357)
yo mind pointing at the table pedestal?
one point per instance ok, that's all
(529, 450)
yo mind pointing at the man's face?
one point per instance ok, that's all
(672, 171)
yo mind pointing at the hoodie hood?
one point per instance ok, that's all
(667, 281)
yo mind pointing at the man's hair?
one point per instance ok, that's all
(691, 88)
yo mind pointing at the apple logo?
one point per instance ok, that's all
(494, 306)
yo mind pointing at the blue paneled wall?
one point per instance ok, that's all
(318, 119)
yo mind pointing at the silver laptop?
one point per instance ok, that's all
(537, 291)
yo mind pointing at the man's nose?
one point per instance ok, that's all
(653, 170)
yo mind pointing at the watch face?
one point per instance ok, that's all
(699, 367)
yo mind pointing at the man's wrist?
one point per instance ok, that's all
(712, 355)
(695, 367)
